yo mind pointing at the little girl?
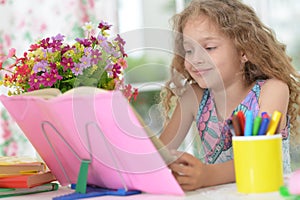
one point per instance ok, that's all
(226, 60)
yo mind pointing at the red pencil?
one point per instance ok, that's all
(236, 125)
(241, 117)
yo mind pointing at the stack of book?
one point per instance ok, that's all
(24, 175)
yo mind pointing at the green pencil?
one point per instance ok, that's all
(256, 125)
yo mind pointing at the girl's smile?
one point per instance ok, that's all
(200, 71)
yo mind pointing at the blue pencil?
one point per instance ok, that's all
(264, 126)
(249, 123)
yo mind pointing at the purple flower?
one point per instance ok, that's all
(34, 82)
(108, 68)
(102, 41)
(40, 66)
(85, 61)
(56, 43)
(77, 69)
(45, 43)
(85, 42)
(116, 70)
(112, 51)
(47, 79)
(95, 56)
(94, 40)
(58, 37)
(55, 73)
(104, 25)
(45, 51)
(65, 49)
(52, 66)
(67, 63)
(87, 51)
(55, 46)
(121, 44)
(120, 40)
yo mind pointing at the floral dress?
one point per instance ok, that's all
(216, 136)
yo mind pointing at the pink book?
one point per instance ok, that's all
(98, 126)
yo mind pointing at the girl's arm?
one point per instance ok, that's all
(182, 117)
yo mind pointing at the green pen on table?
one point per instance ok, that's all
(256, 125)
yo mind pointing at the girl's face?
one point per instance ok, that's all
(211, 58)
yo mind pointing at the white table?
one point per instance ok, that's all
(221, 192)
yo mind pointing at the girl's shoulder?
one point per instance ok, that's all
(274, 96)
(191, 97)
(274, 81)
(274, 86)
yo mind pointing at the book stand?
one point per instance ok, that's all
(82, 188)
(103, 134)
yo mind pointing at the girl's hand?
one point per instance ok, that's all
(189, 171)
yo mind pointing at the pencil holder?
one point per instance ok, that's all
(258, 163)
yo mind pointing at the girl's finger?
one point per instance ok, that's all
(185, 158)
(183, 170)
(182, 180)
(187, 187)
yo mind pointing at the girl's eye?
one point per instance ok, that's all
(188, 51)
(210, 48)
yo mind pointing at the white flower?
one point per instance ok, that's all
(88, 26)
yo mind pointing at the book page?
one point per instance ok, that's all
(84, 91)
(49, 93)
(46, 93)
(11, 160)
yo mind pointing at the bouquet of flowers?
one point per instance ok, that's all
(90, 61)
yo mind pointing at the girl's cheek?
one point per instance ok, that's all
(187, 65)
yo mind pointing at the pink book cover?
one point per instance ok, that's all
(100, 127)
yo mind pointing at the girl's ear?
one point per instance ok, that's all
(244, 58)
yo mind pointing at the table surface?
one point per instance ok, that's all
(226, 191)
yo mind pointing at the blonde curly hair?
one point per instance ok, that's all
(267, 57)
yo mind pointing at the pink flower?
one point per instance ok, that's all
(122, 62)
(11, 53)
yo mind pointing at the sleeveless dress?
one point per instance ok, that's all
(216, 136)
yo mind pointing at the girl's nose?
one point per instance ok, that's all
(198, 61)
(198, 57)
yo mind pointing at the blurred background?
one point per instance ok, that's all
(145, 25)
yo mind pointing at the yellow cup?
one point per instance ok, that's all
(258, 163)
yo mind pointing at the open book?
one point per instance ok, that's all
(99, 126)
